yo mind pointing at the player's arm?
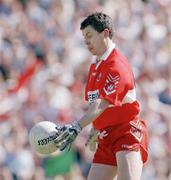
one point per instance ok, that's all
(93, 112)
(70, 132)
(108, 95)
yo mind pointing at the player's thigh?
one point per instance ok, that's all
(129, 165)
(102, 172)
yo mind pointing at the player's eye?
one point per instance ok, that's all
(88, 36)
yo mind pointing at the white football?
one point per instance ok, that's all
(41, 137)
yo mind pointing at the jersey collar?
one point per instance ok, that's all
(108, 51)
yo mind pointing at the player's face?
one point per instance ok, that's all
(94, 40)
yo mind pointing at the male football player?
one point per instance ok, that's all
(113, 107)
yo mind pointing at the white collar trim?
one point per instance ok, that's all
(108, 51)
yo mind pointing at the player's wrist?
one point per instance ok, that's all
(78, 126)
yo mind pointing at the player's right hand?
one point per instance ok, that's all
(92, 140)
(67, 135)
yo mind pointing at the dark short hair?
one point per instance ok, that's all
(98, 21)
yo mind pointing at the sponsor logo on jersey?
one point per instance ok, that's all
(92, 96)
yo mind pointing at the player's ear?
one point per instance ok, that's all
(106, 32)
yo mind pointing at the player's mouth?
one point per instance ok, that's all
(90, 48)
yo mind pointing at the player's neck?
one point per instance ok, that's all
(107, 45)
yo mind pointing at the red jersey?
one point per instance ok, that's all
(112, 79)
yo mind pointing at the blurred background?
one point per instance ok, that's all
(43, 70)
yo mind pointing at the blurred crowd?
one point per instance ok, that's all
(43, 70)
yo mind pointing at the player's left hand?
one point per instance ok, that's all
(92, 140)
(68, 134)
